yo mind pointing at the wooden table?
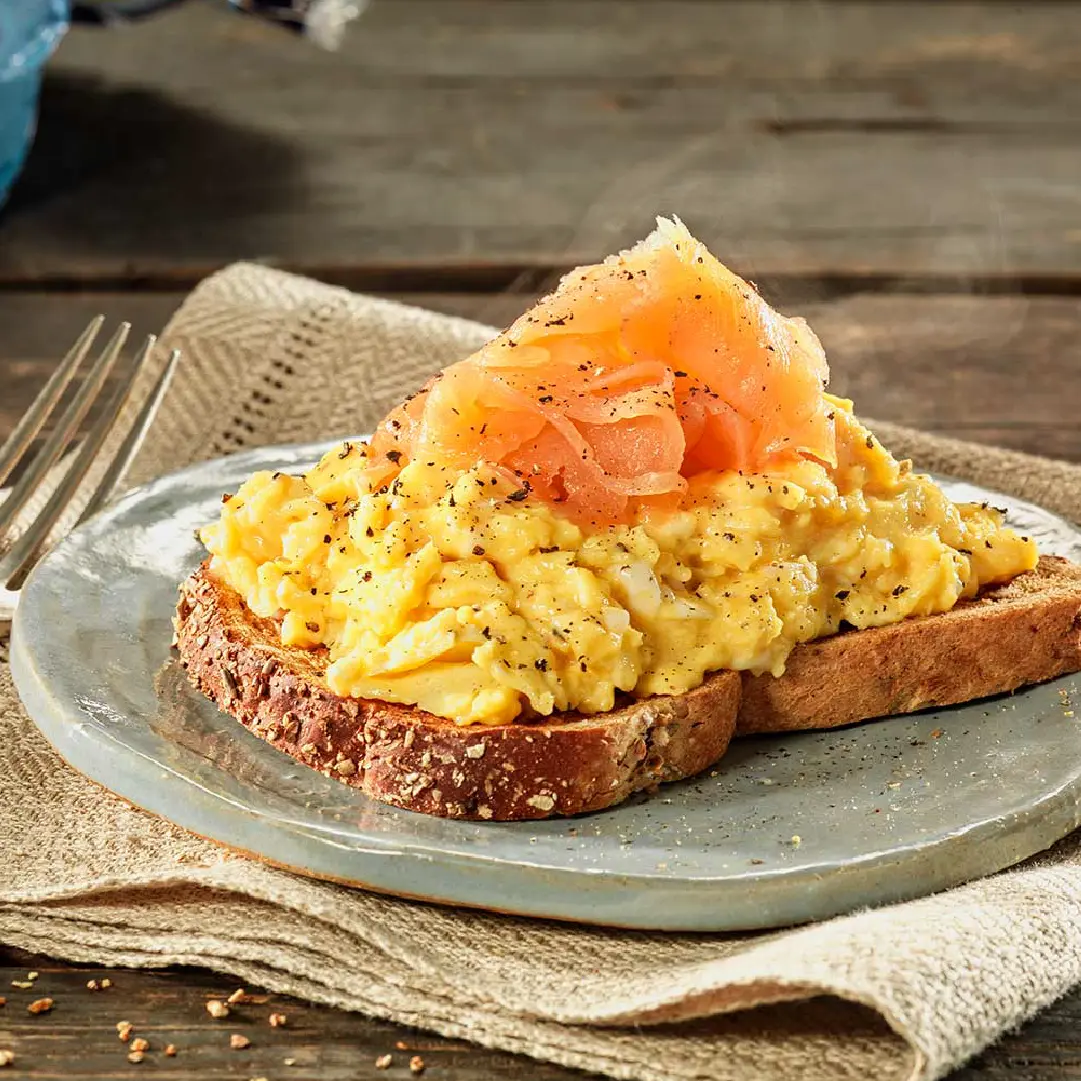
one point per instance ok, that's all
(904, 174)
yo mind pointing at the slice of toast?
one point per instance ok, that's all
(1024, 632)
(1013, 635)
(564, 765)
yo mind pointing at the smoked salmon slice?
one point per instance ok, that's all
(636, 373)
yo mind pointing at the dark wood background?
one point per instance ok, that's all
(907, 175)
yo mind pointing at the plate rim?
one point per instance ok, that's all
(1042, 822)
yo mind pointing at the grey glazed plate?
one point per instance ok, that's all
(785, 829)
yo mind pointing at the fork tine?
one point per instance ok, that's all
(27, 428)
(66, 428)
(17, 562)
(134, 439)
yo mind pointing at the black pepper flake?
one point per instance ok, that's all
(487, 632)
(729, 536)
(541, 665)
(450, 500)
(545, 399)
(519, 495)
(680, 375)
(347, 449)
(842, 594)
(313, 591)
(395, 424)
(369, 532)
(366, 576)
(394, 455)
(313, 627)
(551, 548)
(478, 550)
(870, 442)
(898, 590)
(326, 538)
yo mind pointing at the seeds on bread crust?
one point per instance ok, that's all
(401, 755)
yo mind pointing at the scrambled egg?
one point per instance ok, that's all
(464, 596)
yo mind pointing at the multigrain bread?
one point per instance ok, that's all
(1013, 635)
(1025, 632)
(564, 765)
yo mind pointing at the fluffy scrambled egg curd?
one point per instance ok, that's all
(469, 599)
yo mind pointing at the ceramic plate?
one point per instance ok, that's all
(783, 830)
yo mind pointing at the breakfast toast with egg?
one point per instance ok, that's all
(565, 764)
(545, 580)
(1013, 635)
(1010, 636)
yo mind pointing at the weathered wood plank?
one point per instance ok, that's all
(78, 1038)
(993, 369)
(901, 138)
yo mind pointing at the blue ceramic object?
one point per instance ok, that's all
(29, 31)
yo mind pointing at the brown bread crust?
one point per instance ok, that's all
(1025, 632)
(401, 755)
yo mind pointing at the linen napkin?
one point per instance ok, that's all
(908, 991)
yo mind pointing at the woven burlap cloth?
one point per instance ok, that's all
(907, 991)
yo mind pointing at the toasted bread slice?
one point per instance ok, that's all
(1024, 632)
(565, 765)
(1013, 635)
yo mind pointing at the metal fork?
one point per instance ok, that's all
(19, 553)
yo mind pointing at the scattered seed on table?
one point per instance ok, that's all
(216, 1008)
(383, 1062)
(170, 1051)
(139, 1044)
(22, 985)
(277, 1020)
(238, 996)
(106, 984)
(416, 1064)
(7, 1057)
(40, 1005)
(238, 1042)
(93, 985)
(135, 1056)
(124, 1029)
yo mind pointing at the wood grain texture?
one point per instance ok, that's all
(904, 138)
(78, 1038)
